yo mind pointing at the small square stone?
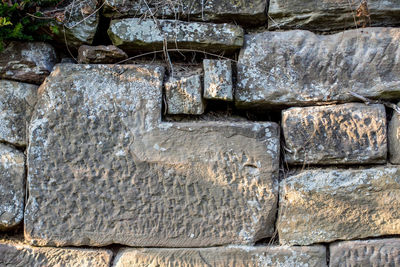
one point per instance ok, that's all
(218, 79)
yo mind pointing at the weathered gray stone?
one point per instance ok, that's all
(184, 95)
(394, 138)
(218, 79)
(238, 256)
(136, 34)
(29, 62)
(248, 12)
(79, 24)
(324, 205)
(301, 68)
(378, 252)
(12, 193)
(17, 101)
(107, 170)
(352, 133)
(331, 15)
(18, 254)
(100, 54)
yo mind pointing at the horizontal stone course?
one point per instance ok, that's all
(324, 205)
(376, 252)
(18, 254)
(123, 176)
(299, 68)
(134, 34)
(352, 133)
(239, 256)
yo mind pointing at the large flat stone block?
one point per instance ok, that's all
(17, 101)
(134, 34)
(351, 133)
(16, 254)
(337, 204)
(239, 256)
(248, 12)
(109, 171)
(331, 15)
(12, 187)
(377, 252)
(301, 68)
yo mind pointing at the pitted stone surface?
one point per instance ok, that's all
(249, 12)
(184, 95)
(16, 254)
(301, 68)
(29, 62)
(351, 133)
(134, 34)
(394, 138)
(324, 205)
(378, 252)
(218, 79)
(238, 256)
(123, 176)
(12, 190)
(100, 54)
(17, 101)
(331, 15)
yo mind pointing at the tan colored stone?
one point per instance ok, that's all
(299, 68)
(12, 189)
(238, 256)
(331, 15)
(364, 253)
(135, 34)
(29, 62)
(394, 138)
(325, 205)
(352, 133)
(21, 255)
(17, 101)
(100, 54)
(107, 170)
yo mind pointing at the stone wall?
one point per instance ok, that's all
(211, 133)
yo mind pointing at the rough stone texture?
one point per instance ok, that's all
(17, 101)
(100, 54)
(301, 68)
(79, 24)
(103, 168)
(21, 255)
(351, 133)
(135, 34)
(330, 15)
(324, 205)
(12, 193)
(378, 252)
(29, 62)
(394, 138)
(248, 12)
(184, 95)
(218, 79)
(238, 256)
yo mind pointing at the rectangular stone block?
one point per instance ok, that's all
(352, 133)
(12, 187)
(238, 256)
(134, 34)
(329, 15)
(324, 205)
(394, 138)
(297, 68)
(18, 254)
(17, 101)
(377, 252)
(184, 95)
(103, 168)
(249, 12)
(218, 79)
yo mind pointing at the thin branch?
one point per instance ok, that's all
(369, 101)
